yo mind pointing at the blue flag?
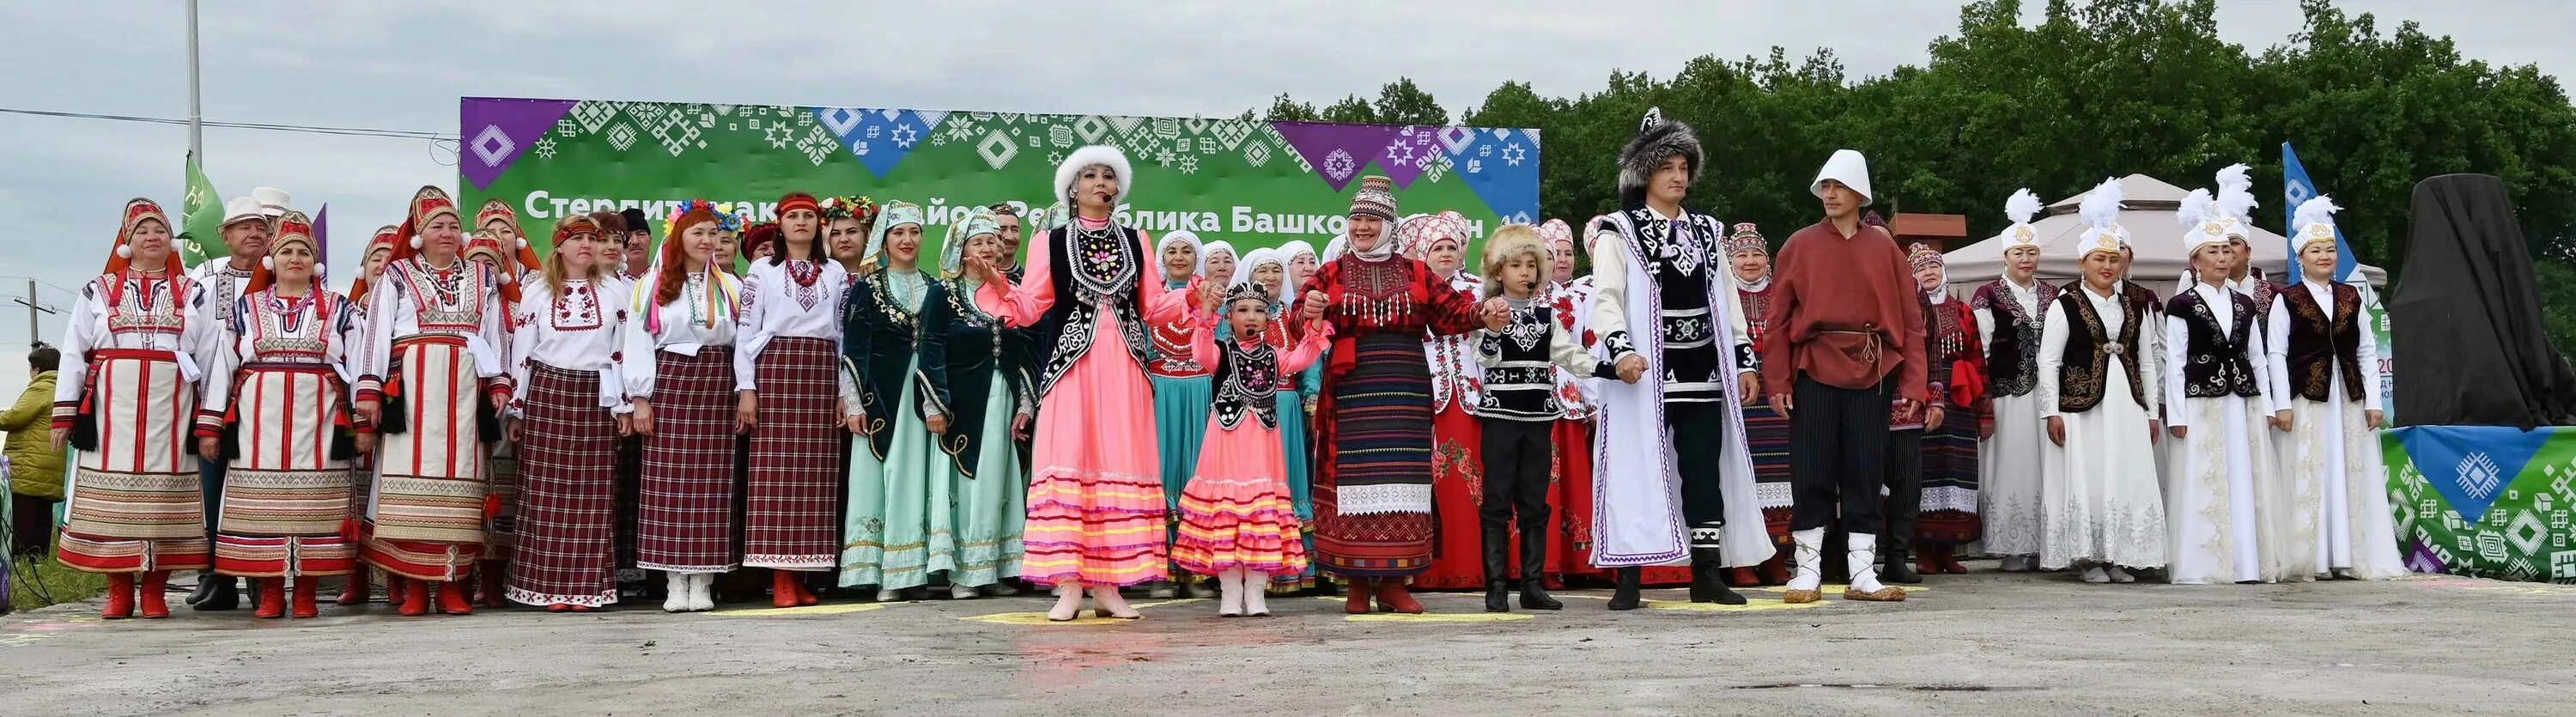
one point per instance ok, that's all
(2299, 189)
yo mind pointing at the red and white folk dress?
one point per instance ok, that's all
(283, 388)
(139, 343)
(433, 355)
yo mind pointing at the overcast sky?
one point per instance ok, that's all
(402, 65)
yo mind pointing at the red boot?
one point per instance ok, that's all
(304, 606)
(1950, 561)
(354, 592)
(784, 590)
(155, 604)
(120, 597)
(1775, 571)
(272, 598)
(492, 589)
(1358, 601)
(451, 598)
(1392, 596)
(415, 596)
(1927, 558)
(805, 595)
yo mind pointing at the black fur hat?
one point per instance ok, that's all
(1657, 140)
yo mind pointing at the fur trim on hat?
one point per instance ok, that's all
(1510, 241)
(1102, 155)
(1655, 142)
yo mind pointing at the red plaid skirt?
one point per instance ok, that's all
(567, 512)
(792, 494)
(686, 519)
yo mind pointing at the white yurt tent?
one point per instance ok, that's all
(2148, 213)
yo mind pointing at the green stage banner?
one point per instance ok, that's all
(2484, 501)
(1250, 182)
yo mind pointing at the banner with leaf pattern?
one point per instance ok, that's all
(2484, 501)
(1250, 182)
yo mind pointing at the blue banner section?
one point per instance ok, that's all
(2299, 189)
(2470, 465)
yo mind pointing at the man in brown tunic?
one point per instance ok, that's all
(1846, 343)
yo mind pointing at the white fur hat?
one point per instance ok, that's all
(1094, 155)
(1850, 168)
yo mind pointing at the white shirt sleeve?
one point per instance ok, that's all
(2276, 352)
(636, 346)
(753, 330)
(2174, 355)
(2052, 360)
(2367, 359)
(1610, 291)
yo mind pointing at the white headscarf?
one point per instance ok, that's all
(1253, 261)
(1198, 255)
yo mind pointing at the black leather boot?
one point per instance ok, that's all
(1498, 535)
(1708, 578)
(1534, 570)
(215, 593)
(1623, 594)
(1899, 568)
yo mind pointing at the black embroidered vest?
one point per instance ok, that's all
(1088, 266)
(1247, 382)
(2323, 345)
(1523, 386)
(2089, 347)
(2215, 363)
(2012, 358)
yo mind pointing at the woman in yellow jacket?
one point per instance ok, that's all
(35, 465)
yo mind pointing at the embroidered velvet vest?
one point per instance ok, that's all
(1247, 382)
(2324, 341)
(2089, 347)
(1090, 266)
(2012, 357)
(1523, 385)
(2216, 364)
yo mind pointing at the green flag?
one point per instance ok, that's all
(201, 219)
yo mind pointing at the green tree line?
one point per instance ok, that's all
(2105, 88)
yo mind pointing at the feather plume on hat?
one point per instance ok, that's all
(2101, 210)
(2022, 207)
(2315, 218)
(2235, 203)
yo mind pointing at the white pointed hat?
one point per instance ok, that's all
(1850, 168)
(272, 201)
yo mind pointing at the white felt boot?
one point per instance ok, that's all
(963, 592)
(1809, 558)
(1861, 556)
(677, 589)
(1256, 600)
(702, 592)
(1230, 593)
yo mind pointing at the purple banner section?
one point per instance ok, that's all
(497, 132)
(1339, 151)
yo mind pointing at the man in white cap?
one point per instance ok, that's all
(248, 221)
(1844, 346)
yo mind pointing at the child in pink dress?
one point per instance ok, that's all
(1237, 521)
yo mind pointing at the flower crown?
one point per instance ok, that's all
(727, 221)
(860, 208)
(730, 219)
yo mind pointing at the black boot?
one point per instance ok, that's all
(1623, 596)
(215, 593)
(1498, 535)
(1900, 563)
(1708, 578)
(1534, 570)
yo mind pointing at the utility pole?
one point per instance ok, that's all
(35, 313)
(196, 112)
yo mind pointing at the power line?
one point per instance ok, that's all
(306, 129)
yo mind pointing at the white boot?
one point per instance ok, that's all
(1256, 601)
(1807, 557)
(885, 594)
(702, 592)
(962, 592)
(677, 588)
(2119, 574)
(2095, 575)
(1230, 593)
(1861, 555)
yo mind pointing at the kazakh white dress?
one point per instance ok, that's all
(2314, 327)
(2099, 502)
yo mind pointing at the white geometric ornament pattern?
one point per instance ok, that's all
(2479, 476)
(997, 149)
(492, 145)
(621, 136)
(1339, 165)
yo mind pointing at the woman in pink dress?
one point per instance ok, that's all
(1096, 499)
